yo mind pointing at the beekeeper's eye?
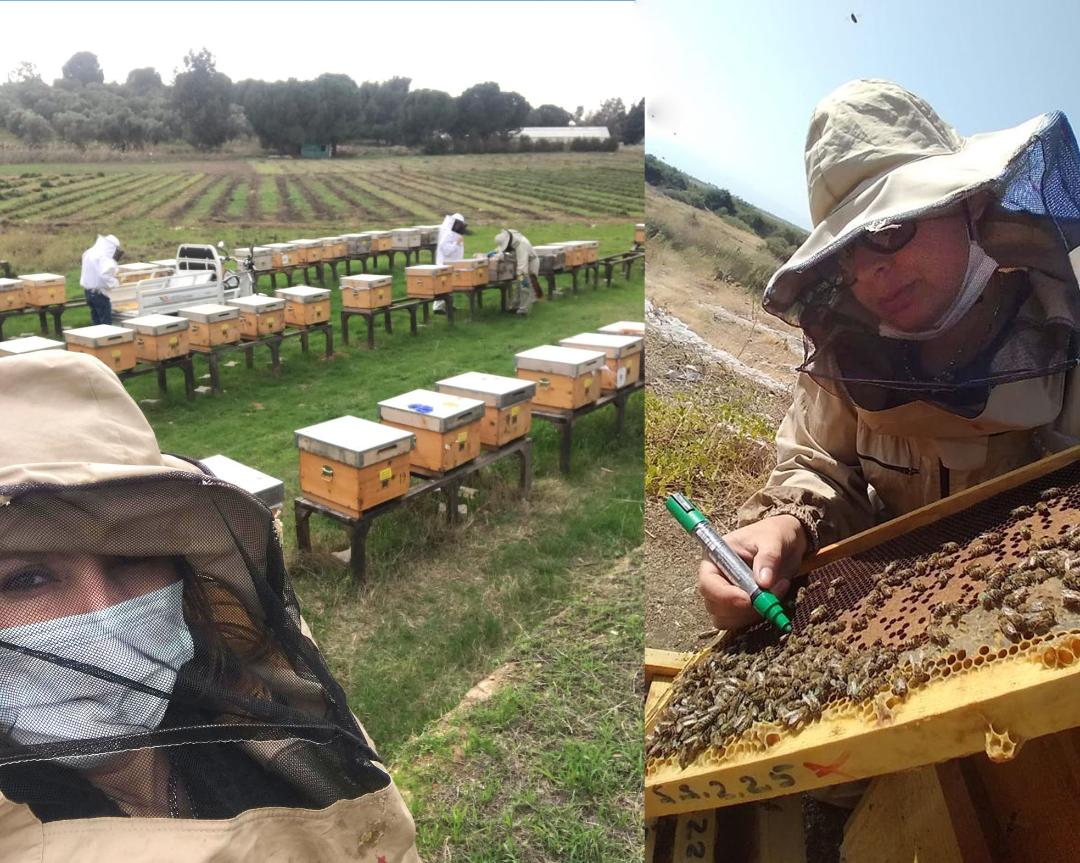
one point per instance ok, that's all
(26, 577)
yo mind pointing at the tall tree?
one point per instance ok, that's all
(83, 68)
(425, 114)
(145, 80)
(202, 96)
(633, 131)
(549, 115)
(612, 113)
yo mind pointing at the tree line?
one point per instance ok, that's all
(204, 107)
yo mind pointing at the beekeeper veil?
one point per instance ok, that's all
(145, 611)
(878, 156)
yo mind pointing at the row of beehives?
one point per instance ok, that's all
(351, 464)
(152, 338)
(275, 256)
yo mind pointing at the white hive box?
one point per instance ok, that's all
(159, 337)
(166, 266)
(507, 409)
(266, 488)
(447, 427)
(566, 378)
(624, 328)
(43, 289)
(211, 324)
(404, 239)
(366, 291)
(427, 280)
(429, 234)
(623, 365)
(136, 271)
(262, 257)
(351, 464)
(114, 346)
(305, 305)
(11, 295)
(552, 258)
(259, 315)
(28, 345)
(357, 244)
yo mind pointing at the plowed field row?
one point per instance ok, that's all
(24, 208)
(89, 204)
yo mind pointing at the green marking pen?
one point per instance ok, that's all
(732, 566)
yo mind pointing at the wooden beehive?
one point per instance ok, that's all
(427, 280)
(114, 346)
(950, 630)
(259, 315)
(404, 239)
(624, 328)
(11, 295)
(305, 305)
(429, 234)
(159, 337)
(623, 365)
(136, 271)
(507, 408)
(381, 241)
(468, 273)
(268, 489)
(366, 291)
(356, 244)
(586, 251)
(552, 258)
(447, 427)
(639, 233)
(501, 268)
(165, 267)
(28, 345)
(351, 464)
(282, 255)
(308, 251)
(334, 247)
(566, 378)
(211, 324)
(262, 257)
(43, 289)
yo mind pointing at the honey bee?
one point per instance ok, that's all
(991, 597)
(950, 548)
(1021, 512)
(937, 636)
(1050, 493)
(1041, 508)
(1070, 599)
(900, 687)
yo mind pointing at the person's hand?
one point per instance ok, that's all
(773, 547)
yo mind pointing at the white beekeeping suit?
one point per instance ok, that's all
(99, 265)
(516, 246)
(450, 246)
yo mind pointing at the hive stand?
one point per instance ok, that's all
(564, 418)
(57, 311)
(450, 481)
(1016, 805)
(410, 305)
(183, 363)
(273, 343)
(475, 295)
(624, 260)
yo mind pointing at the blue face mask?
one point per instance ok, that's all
(144, 639)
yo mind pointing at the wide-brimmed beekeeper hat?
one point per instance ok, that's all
(877, 154)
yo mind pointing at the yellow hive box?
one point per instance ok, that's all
(114, 346)
(11, 295)
(566, 378)
(211, 325)
(311, 250)
(43, 289)
(639, 234)
(305, 305)
(623, 365)
(447, 427)
(468, 273)
(333, 247)
(381, 241)
(260, 315)
(427, 280)
(281, 255)
(350, 464)
(507, 411)
(366, 291)
(159, 337)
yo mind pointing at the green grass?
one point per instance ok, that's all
(549, 767)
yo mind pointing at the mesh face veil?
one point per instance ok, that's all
(208, 678)
(1030, 226)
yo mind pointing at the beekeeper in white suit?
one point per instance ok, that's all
(449, 247)
(99, 277)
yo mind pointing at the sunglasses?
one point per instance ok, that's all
(889, 239)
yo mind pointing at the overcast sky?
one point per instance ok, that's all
(567, 54)
(732, 84)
